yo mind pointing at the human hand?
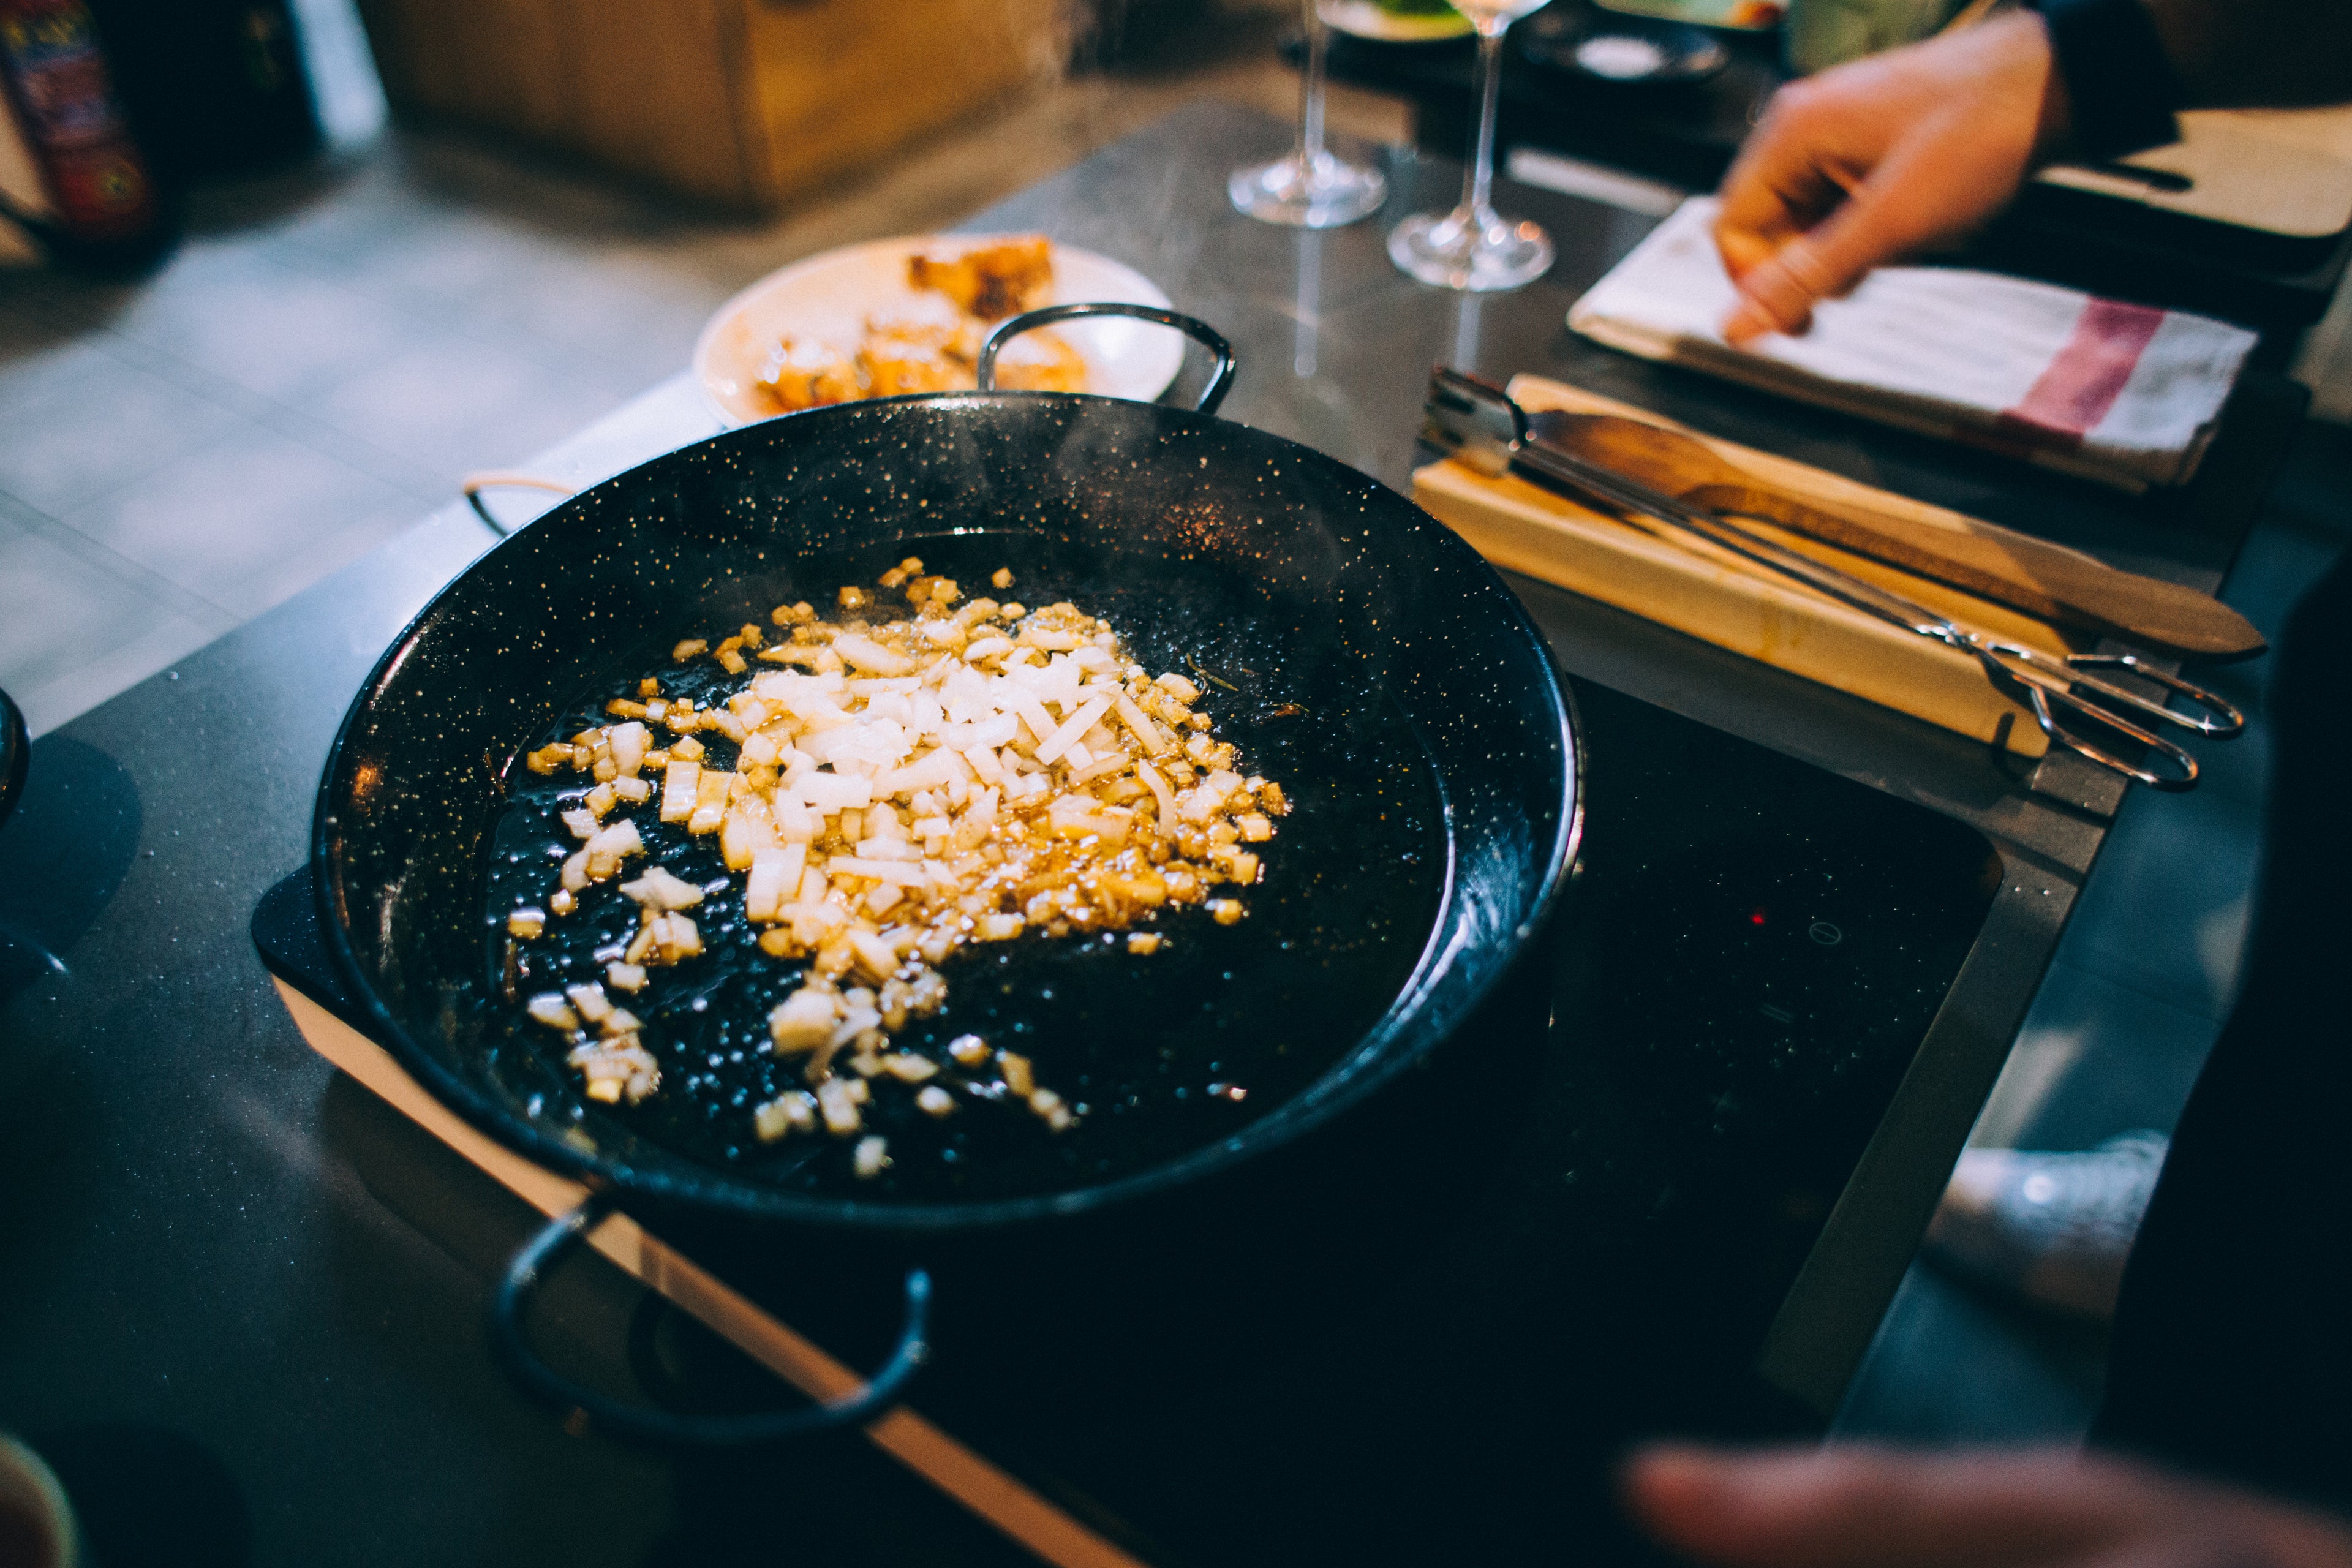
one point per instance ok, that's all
(1864, 1508)
(1878, 158)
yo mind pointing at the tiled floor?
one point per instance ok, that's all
(331, 350)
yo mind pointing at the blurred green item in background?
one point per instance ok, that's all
(1819, 33)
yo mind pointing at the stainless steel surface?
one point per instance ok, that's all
(220, 1254)
(1466, 418)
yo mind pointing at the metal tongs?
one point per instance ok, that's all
(1477, 423)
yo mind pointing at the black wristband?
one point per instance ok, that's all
(2121, 91)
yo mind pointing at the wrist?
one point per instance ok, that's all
(2111, 85)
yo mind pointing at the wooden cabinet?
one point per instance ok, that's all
(743, 103)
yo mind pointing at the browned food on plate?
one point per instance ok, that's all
(800, 373)
(895, 365)
(1040, 361)
(991, 281)
(931, 343)
(933, 323)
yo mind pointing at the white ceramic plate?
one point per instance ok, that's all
(828, 297)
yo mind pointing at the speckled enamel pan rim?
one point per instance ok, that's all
(721, 1192)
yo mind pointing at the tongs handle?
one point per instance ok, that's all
(2219, 719)
(2043, 699)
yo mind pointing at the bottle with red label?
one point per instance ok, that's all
(107, 208)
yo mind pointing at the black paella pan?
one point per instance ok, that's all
(1353, 649)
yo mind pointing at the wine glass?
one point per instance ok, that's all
(1309, 187)
(1474, 247)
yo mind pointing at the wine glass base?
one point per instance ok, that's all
(1441, 249)
(1326, 194)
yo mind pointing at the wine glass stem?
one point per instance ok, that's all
(1310, 91)
(1476, 209)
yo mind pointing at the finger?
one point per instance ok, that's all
(1857, 1508)
(1884, 218)
(1777, 294)
(1776, 188)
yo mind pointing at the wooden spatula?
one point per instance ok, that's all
(2030, 574)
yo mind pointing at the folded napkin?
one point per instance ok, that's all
(2125, 393)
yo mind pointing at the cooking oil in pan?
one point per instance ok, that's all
(1158, 1054)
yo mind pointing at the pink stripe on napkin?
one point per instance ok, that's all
(2078, 387)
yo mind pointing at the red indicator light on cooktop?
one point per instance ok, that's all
(1756, 917)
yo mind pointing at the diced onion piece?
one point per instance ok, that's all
(876, 957)
(773, 875)
(1225, 911)
(795, 823)
(677, 937)
(999, 926)
(748, 828)
(864, 653)
(1018, 1076)
(1051, 747)
(904, 874)
(549, 1008)
(581, 822)
(1160, 794)
(968, 1050)
(1101, 767)
(830, 793)
(525, 924)
(659, 889)
(680, 784)
(1143, 943)
(623, 977)
(933, 1100)
(689, 648)
(872, 1155)
(632, 790)
(575, 872)
(1179, 688)
(804, 1021)
(1081, 817)
(793, 1112)
(590, 1001)
(838, 1107)
(628, 743)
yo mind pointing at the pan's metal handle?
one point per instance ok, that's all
(16, 751)
(566, 1231)
(1199, 331)
(473, 485)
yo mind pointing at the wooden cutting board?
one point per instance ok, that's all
(1715, 595)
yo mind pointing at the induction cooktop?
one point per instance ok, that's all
(1749, 955)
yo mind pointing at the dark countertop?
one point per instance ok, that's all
(219, 1319)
